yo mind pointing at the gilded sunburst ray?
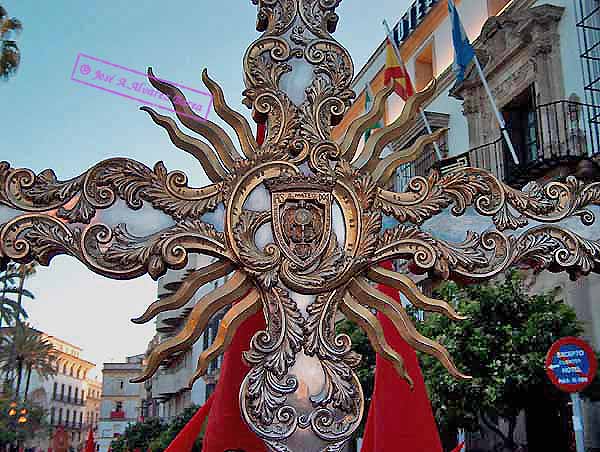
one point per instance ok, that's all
(321, 239)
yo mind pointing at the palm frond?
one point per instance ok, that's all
(27, 346)
(17, 291)
(10, 58)
(9, 26)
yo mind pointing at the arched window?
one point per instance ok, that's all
(65, 369)
(76, 394)
(81, 417)
(62, 391)
(72, 370)
(54, 390)
(67, 417)
(59, 416)
(69, 394)
(52, 416)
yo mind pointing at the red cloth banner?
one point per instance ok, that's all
(399, 419)
(90, 446)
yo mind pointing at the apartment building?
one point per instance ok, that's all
(121, 402)
(64, 395)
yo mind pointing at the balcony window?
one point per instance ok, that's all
(521, 120)
(424, 67)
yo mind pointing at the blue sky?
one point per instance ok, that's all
(47, 120)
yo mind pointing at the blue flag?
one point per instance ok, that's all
(463, 50)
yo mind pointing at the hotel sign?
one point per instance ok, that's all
(412, 19)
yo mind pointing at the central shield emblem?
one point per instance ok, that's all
(301, 222)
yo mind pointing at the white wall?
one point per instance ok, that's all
(569, 48)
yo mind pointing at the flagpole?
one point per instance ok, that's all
(496, 111)
(399, 57)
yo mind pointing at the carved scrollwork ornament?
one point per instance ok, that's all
(319, 237)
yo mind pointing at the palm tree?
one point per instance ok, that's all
(11, 310)
(24, 272)
(26, 349)
(10, 55)
(15, 309)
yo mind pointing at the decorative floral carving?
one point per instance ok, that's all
(100, 187)
(317, 187)
(272, 353)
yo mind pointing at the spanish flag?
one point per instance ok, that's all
(396, 73)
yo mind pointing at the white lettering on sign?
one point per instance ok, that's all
(412, 18)
(570, 353)
(572, 380)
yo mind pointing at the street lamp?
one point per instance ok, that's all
(16, 414)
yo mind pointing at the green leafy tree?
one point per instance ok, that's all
(10, 55)
(503, 345)
(138, 435)
(155, 435)
(173, 430)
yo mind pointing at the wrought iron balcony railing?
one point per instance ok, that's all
(558, 133)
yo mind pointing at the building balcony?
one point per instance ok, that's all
(69, 425)
(559, 134)
(552, 142)
(117, 415)
(66, 399)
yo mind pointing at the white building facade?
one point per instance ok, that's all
(121, 402)
(64, 395)
(541, 60)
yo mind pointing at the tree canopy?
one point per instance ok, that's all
(502, 344)
(154, 435)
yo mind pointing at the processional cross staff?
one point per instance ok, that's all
(298, 227)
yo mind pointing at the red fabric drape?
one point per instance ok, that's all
(399, 419)
(261, 133)
(226, 429)
(184, 440)
(89, 444)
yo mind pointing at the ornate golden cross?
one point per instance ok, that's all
(301, 231)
